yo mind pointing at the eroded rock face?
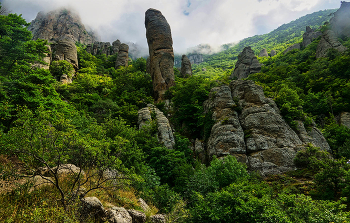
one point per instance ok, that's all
(250, 127)
(137, 216)
(65, 49)
(123, 56)
(328, 41)
(309, 36)
(273, 53)
(53, 25)
(292, 47)
(99, 48)
(345, 119)
(118, 215)
(161, 53)
(196, 58)
(340, 23)
(247, 64)
(186, 69)
(165, 133)
(92, 207)
(62, 170)
(263, 53)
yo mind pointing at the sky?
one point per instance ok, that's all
(192, 22)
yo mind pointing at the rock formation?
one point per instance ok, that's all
(196, 58)
(158, 218)
(137, 216)
(46, 59)
(263, 53)
(165, 133)
(328, 41)
(247, 64)
(250, 127)
(99, 48)
(273, 53)
(292, 47)
(345, 119)
(340, 23)
(118, 214)
(186, 69)
(161, 53)
(65, 49)
(123, 56)
(55, 24)
(310, 35)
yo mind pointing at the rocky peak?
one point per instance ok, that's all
(247, 64)
(186, 69)
(310, 35)
(328, 41)
(340, 23)
(56, 24)
(263, 53)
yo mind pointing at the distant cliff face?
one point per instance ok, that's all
(54, 25)
(340, 23)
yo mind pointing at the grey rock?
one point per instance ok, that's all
(273, 53)
(62, 170)
(143, 205)
(46, 59)
(123, 56)
(161, 53)
(186, 69)
(199, 150)
(65, 79)
(196, 58)
(118, 215)
(92, 207)
(137, 216)
(327, 42)
(165, 133)
(263, 53)
(340, 23)
(158, 218)
(247, 64)
(345, 119)
(65, 49)
(292, 47)
(309, 36)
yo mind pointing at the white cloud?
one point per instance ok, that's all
(192, 22)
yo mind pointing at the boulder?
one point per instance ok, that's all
(292, 47)
(273, 53)
(143, 205)
(161, 53)
(165, 133)
(118, 215)
(345, 119)
(158, 218)
(39, 182)
(123, 56)
(263, 53)
(65, 49)
(310, 35)
(186, 69)
(340, 23)
(137, 216)
(247, 64)
(329, 41)
(92, 207)
(62, 170)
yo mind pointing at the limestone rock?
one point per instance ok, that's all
(165, 133)
(53, 25)
(263, 53)
(273, 53)
(64, 79)
(196, 58)
(118, 215)
(115, 47)
(92, 207)
(143, 205)
(62, 170)
(327, 42)
(186, 69)
(158, 218)
(345, 119)
(199, 150)
(340, 23)
(123, 56)
(98, 48)
(39, 182)
(292, 47)
(65, 49)
(309, 36)
(161, 53)
(46, 59)
(247, 64)
(137, 216)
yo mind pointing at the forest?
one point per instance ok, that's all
(93, 124)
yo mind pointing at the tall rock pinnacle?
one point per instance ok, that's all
(161, 53)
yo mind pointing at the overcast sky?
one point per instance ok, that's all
(192, 22)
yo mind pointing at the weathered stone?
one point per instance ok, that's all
(92, 207)
(62, 170)
(64, 79)
(65, 49)
(165, 133)
(158, 218)
(340, 23)
(46, 59)
(53, 25)
(137, 216)
(123, 56)
(196, 58)
(39, 182)
(263, 53)
(143, 205)
(327, 42)
(345, 119)
(118, 215)
(186, 69)
(292, 47)
(247, 64)
(273, 53)
(161, 53)
(310, 35)
(115, 47)
(199, 150)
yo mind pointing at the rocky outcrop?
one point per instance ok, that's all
(273, 53)
(62, 170)
(247, 64)
(118, 215)
(46, 59)
(340, 23)
(137, 216)
(263, 53)
(158, 218)
(91, 208)
(165, 133)
(310, 35)
(65, 49)
(329, 41)
(143, 205)
(53, 25)
(161, 53)
(186, 69)
(250, 127)
(123, 56)
(292, 47)
(345, 119)
(98, 48)
(199, 150)
(196, 58)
